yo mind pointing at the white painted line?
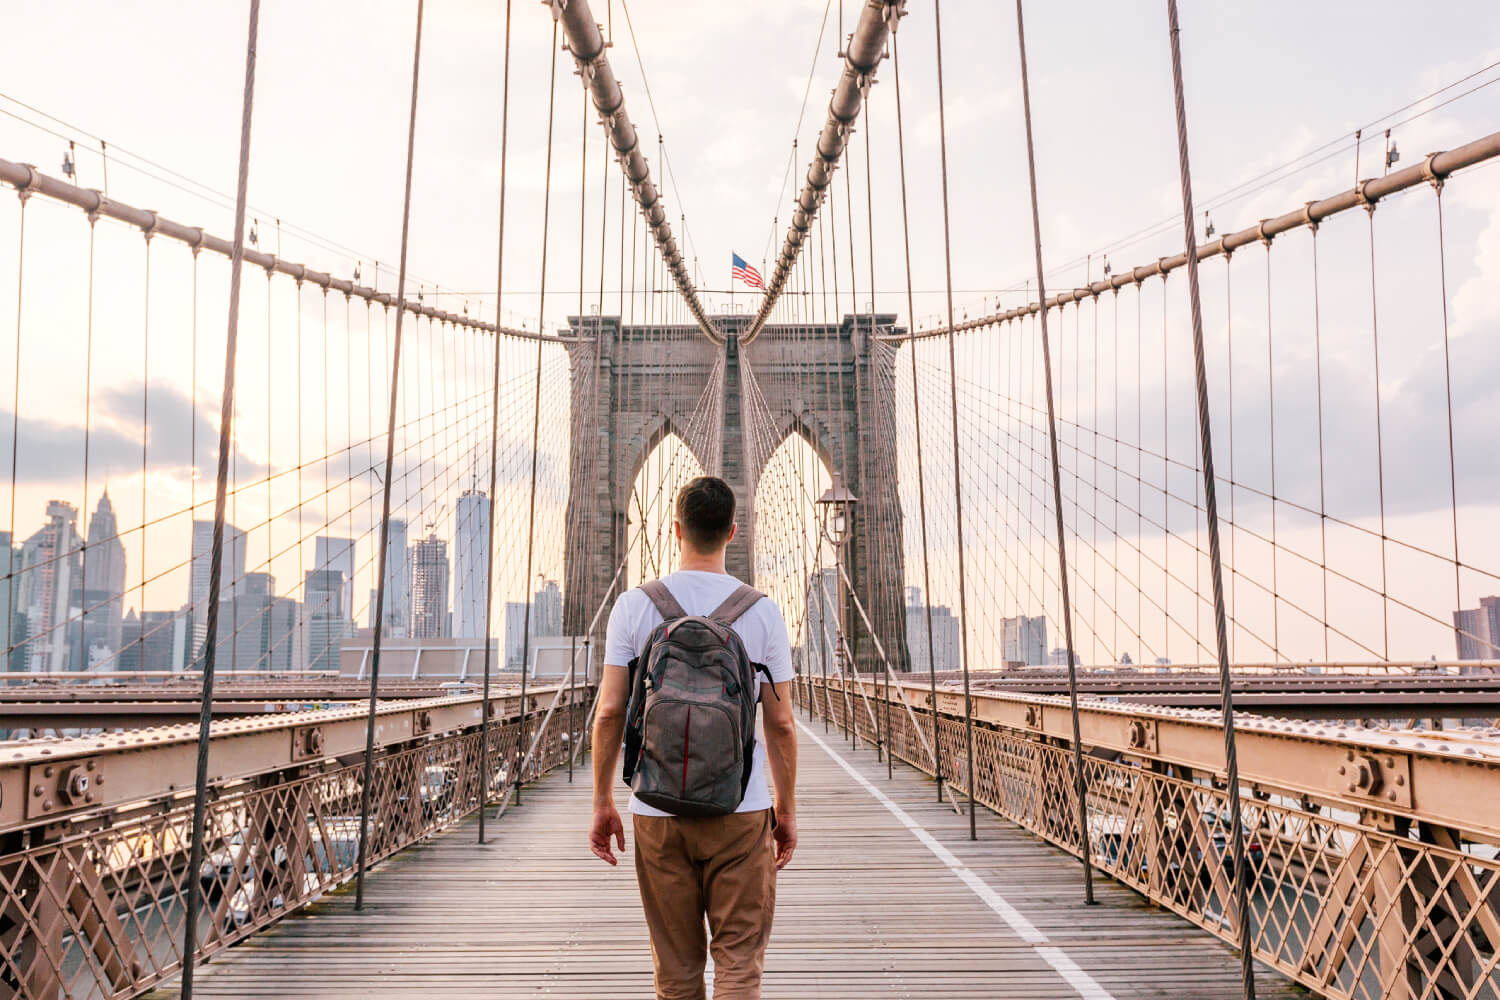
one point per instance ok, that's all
(1086, 986)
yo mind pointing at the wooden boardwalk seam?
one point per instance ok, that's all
(866, 910)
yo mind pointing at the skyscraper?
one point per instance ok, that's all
(1026, 640)
(232, 573)
(103, 587)
(471, 565)
(546, 619)
(1476, 631)
(11, 614)
(945, 637)
(822, 615)
(325, 622)
(50, 577)
(155, 641)
(429, 588)
(397, 612)
(338, 554)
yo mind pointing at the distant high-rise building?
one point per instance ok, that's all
(103, 586)
(155, 641)
(50, 580)
(546, 620)
(945, 635)
(471, 565)
(262, 628)
(338, 554)
(1476, 631)
(1025, 639)
(12, 616)
(325, 625)
(429, 588)
(397, 611)
(232, 573)
(822, 595)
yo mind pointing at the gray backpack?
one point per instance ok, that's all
(690, 724)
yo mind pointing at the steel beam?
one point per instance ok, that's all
(38, 778)
(1445, 778)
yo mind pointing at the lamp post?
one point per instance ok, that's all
(835, 518)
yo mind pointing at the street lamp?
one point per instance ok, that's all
(835, 518)
(835, 511)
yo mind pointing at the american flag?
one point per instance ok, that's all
(746, 273)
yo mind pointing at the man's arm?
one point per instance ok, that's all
(781, 753)
(609, 730)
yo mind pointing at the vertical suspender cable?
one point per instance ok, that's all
(216, 554)
(1080, 789)
(536, 403)
(916, 412)
(958, 507)
(489, 580)
(385, 510)
(1231, 761)
(880, 578)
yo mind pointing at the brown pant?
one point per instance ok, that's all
(722, 867)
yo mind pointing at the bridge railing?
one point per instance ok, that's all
(1372, 853)
(95, 831)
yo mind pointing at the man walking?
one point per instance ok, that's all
(686, 659)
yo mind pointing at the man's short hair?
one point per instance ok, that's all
(705, 509)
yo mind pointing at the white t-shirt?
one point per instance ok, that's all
(761, 629)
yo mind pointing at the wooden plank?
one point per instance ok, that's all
(866, 910)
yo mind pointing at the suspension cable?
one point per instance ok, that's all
(1080, 788)
(216, 558)
(378, 629)
(536, 403)
(489, 576)
(1241, 874)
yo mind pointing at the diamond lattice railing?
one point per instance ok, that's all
(1340, 903)
(98, 912)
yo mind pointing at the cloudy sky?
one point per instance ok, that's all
(1274, 92)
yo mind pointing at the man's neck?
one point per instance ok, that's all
(702, 563)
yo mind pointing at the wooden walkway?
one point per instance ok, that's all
(870, 908)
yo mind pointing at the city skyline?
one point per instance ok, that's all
(65, 601)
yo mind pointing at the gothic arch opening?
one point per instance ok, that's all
(663, 468)
(791, 559)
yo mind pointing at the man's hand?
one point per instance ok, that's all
(607, 825)
(785, 836)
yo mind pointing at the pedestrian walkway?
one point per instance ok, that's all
(887, 897)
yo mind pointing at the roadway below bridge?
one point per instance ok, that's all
(887, 897)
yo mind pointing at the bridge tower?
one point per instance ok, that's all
(634, 385)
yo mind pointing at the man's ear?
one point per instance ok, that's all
(733, 530)
(677, 530)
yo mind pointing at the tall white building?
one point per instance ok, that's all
(231, 580)
(103, 587)
(49, 582)
(471, 565)
(397, 613)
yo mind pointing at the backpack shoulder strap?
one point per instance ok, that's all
(663, 599)
(736, 604)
